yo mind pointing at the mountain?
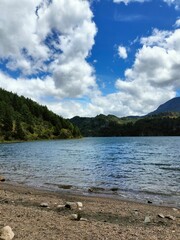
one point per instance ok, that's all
(23, 119)
(172, 105)
(165, 121)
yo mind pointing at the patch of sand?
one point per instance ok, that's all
(107, 218)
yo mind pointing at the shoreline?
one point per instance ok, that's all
(107, 218)
(138, 197)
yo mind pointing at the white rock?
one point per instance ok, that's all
(6, 233)
(60, 207)
(84, 219)
(45, 205)
(170, 217)
(161, 215)
(147, 219)
(71, 205)
(74, 216)
(79, 204)
(175, 209)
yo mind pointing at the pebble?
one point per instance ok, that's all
(161, 215)
(60, 207)
(45, 205)
(6, 233)
(74, 205)
(150, 202)
(79, 204)
(2, 179)
(84, 219)
(147, 219)
(71, 205)
(76, 217)
(170, 217)
(175, 209)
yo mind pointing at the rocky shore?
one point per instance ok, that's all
(33, 214)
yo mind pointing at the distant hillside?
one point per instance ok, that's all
(172, 105)
(101, 125)
(24, 119)
(165, 121)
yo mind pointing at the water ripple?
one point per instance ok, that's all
(138, 167)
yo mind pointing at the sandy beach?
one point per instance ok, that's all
(101, 218)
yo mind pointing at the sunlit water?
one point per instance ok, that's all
(139, 168)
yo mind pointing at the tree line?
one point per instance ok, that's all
(24, 119)
(166, 124)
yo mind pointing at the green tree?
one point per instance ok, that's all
(65, 133)
(19, 133)
(7, 123)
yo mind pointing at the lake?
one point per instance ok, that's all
(137, 168)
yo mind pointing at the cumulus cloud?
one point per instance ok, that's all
(122, 52)
(177, 24)
(18, 38)
(34, 88)
(54, 37)
(154, 76)
(152, 80)
(48, 42)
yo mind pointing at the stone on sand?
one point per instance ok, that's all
(79, 205)
(6, 233)
(60, 207)
(74, 205)
(76, 217)
(45, 205)
(147, 219)
(170, 217)
(2, 179)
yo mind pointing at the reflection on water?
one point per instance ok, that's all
(141, 168)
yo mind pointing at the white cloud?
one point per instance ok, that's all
(154, 76)
(129, 1)
(27, 40)
(18, 38)
(177, 24)
(122, 52)
(59, 32)
(34, 88)
(152, 80)
(174, 2)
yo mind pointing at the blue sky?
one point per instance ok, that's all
(84, 58)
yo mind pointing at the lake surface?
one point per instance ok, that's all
(138, 168)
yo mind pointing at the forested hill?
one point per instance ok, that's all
(165, 124)
(24, 119)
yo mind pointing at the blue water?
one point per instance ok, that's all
(140, 168)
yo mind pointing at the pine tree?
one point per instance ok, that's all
(19, 131)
